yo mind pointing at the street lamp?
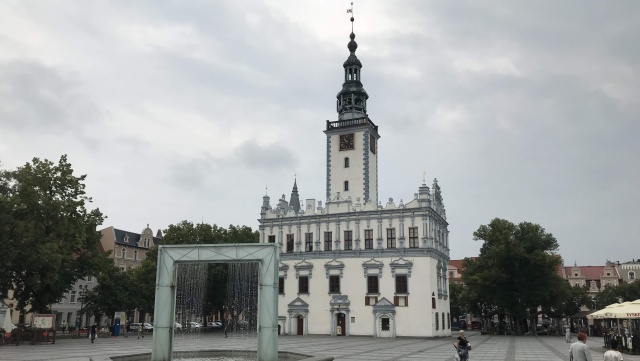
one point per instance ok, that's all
(83, 294)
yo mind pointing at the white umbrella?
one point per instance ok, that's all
(627, 310)
(601, 313)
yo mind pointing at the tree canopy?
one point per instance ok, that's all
(48, 236)
(186, 232)
(516, 271)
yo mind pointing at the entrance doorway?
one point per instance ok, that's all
(341, 329)
(300, 325)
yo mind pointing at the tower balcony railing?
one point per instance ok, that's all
(345, 123)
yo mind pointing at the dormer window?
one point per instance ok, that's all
(126, 238)
(575, 274)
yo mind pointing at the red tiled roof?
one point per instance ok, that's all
(590, 272)
(457, 263)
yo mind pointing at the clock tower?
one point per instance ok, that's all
(352, 140)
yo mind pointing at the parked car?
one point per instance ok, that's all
(476, 325)
(147, 327)
(195, 326)
(216, 324)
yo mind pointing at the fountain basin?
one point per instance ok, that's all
(215, 355)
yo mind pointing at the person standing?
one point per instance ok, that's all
(579, 351)
(64, 326)
(94, 330)
(140, 331)
(567, 334)
(613, 354)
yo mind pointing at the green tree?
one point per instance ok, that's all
(571, 299)
(515, 270)
(47, 232)
(115, 291)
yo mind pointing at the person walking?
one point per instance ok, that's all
(94, 330)
(64, 326)
(613, 354)
(567, 334)
(462, 346)
(140, 331)
(579, 351)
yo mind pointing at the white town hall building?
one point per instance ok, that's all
(356, 266)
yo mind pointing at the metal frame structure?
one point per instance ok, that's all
(169, 256)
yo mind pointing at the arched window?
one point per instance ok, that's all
(135, 254)
(346, 162)
(346, 185)
(632, 275)
(123, 252)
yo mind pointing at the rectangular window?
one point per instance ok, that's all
(272, 239)
(308, 242)
(413, 237)
(385, 323)
(391, 238)
(433, 302)
(72, 299)
(443, 320)
(281, 285)
(327, 241)
(372, 284)
(368, 239)
(401, 284)
(437, 324)
(334, 284)
(289, 243)
(401, 301)
(348, 240)
(448, 320)
(303, 284)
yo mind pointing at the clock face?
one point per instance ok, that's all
(372, 143)
(346, 141)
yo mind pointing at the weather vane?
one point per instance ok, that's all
(350, 11)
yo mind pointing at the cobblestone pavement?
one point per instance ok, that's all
(485, 348)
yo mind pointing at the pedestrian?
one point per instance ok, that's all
(462, 346)
(613, 354)
(567, 334)
(579, 351)
(140, 331)
(64, 326)
(94, 330)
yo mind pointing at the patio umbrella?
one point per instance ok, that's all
(627, 310)
(601, 313)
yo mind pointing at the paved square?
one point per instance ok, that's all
(485, 348)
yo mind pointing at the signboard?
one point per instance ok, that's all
(43, 321)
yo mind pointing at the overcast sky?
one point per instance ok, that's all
(528, 111)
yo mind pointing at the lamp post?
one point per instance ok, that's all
(83, 294)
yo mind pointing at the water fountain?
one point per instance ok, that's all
(266, 255)
(186, 265)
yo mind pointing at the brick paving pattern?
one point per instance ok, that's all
(485, 348)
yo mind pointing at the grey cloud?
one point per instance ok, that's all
(35, 96)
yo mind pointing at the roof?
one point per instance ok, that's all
(590, 272)
(457, 263)
(120, 236)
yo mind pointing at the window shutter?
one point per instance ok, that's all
(396, 301)
(366, 301)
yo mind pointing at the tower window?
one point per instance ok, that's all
(346, 162)
(346, 185)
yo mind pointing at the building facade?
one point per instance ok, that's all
(593, 278)
(128, 249)
(355, 266)
(629, 271)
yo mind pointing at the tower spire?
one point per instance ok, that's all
(352, 99)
